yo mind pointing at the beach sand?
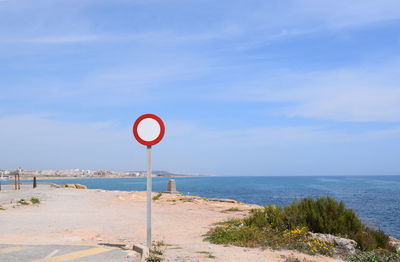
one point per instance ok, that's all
(75, 217)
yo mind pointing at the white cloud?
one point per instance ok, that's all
(137, 77)
(362, 94)
(344, 13)
(38, 142)
(348, 102)
(63, 39)
(240, 20)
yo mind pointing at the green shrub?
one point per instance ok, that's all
(374, 256)
(237, 233)
(322, 215)
(35, 200)
(288, 227)
(292, 259)
(269, 216)
(231, 233)
(156, 252)
(370, 239)
(152, 258)
(23, 202)
(232, 209)
(208, 254)
(156, 197)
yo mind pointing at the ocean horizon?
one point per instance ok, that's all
(376, 199)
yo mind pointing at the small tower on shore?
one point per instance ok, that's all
(171, 188)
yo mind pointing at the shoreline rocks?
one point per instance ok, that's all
(75, 186)
(341, 245)
(394, 242)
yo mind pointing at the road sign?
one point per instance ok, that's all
(148, 130)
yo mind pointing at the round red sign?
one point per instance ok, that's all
(148, 129)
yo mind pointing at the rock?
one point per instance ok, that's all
(69, 186)
(223, 200)
(75, 186)
(79, 186)
(394, 242)
(341, 245)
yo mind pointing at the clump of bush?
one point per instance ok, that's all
(208, 254)
(232, 209)
(322, 215)
(153, 258)
(375, 256)
(288, 227)
(157, 197)
(236, 232)
(23, 202)
(292, 259)
(35, 200)
(156, 252)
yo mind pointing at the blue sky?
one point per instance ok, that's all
(299, 87)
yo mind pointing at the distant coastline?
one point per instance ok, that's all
(85, 174)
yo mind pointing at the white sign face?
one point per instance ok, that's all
(148, 129)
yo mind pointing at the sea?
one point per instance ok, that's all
(376, 199)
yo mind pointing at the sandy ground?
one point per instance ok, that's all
(76, 217)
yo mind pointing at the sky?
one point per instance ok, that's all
(254, 87)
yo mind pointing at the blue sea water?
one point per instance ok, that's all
(375, 199)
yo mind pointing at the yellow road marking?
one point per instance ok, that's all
(74, 255)
(11, 249)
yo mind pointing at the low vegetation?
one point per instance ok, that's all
(157, 252)
(35, 200)
(288, 228)
(232, 209)
(375, 256)
(156, 197)
(292, 259)
(23, 202)
(153, 258)
(208, 254)
(187, 199)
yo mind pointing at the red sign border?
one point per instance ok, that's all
(155, 141)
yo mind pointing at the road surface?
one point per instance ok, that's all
(58, 253)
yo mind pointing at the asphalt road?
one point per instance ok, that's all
(56, 253)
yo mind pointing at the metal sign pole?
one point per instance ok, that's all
(148, 130)
(149, 196)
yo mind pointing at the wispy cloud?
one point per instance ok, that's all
(60, 39)
(156, 37)
(343, 13)
(368, 94)
(71, 24)
(40, 142)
